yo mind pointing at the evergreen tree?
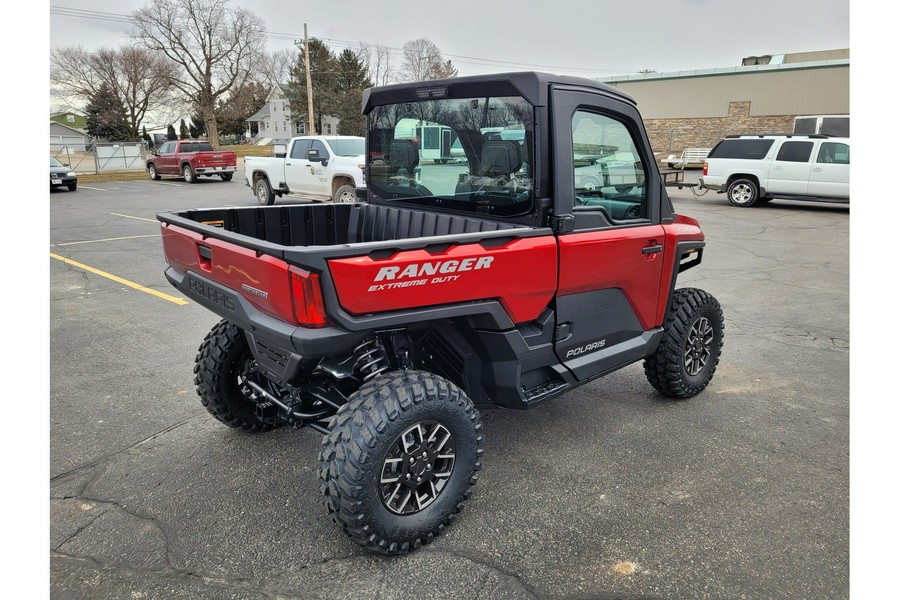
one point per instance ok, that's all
(105, 115)
(170, 133)
(183, 132)
(324, 84)
(351, 80)
(197, 126)
(243, 104)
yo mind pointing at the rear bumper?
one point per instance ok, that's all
(704, 183)
(215, 170)
(278, 346)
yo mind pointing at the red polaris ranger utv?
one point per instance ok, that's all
(540, 255)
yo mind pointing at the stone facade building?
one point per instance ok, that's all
(763, 95)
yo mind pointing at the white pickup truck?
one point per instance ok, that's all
(318, 167)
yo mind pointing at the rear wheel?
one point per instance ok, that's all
(219, 373)
(743, 192)
(687, 355)
(263, 191)
(345, 193)
(400, 460)
(226, 176)
(188, 173)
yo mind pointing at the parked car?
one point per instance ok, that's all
(191, 159)
(61, 175)
(322, 167)
(758, 168)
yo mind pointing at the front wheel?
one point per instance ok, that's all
(188, 173)
(400, 460)
(345, 193)
(222, 364)
(687, 355)
(743, 192)
(72, 186)
(152, 172)
(263, 191)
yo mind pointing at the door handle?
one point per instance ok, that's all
(652, 249)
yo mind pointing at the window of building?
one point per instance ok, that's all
(328, 128)
(70, 118)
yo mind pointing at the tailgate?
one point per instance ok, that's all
(217, 159)
(263, 281)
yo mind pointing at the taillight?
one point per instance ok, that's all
(706, 168)
(309, 305)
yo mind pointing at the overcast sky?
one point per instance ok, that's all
(589, 38)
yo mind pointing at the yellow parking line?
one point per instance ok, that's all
(131, 284)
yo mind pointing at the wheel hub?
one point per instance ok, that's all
(417, 468)
(698, 347)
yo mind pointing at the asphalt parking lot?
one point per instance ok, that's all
(608, 492)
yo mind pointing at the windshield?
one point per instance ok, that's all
(465, 154)
(348, 147)
(54, 162)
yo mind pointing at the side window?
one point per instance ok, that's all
(610, 176)
(795, 152)
(320, 147)
(834, 152)
(167, 148)
(299, 149)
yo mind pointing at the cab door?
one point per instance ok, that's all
(830, 176)
(789, 172)
(611, 262)
(166, 162)
(313, 174)
(296, 164)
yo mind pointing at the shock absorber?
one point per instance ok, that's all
(370, 359)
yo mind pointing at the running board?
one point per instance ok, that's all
(544, 391)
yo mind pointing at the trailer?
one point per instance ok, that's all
(690, 158)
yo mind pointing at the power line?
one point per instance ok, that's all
(290, 37)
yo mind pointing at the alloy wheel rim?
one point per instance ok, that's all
(698, 347)
(417, 468)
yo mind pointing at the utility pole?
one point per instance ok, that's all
(312, 126)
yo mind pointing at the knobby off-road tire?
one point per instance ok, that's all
(404, 423)
(221, 360)
(687, 355)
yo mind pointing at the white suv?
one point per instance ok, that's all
(758, 168)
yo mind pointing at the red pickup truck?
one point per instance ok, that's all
(497, 280)
(191, 159)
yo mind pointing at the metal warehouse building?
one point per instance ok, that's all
(698, 108)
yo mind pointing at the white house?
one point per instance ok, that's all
(276, 124)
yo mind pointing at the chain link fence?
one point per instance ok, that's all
(99, 158)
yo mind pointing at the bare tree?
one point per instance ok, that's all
(377, 61)
(276, 67)
(215, 47)
(419, 59)
(138, 78)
